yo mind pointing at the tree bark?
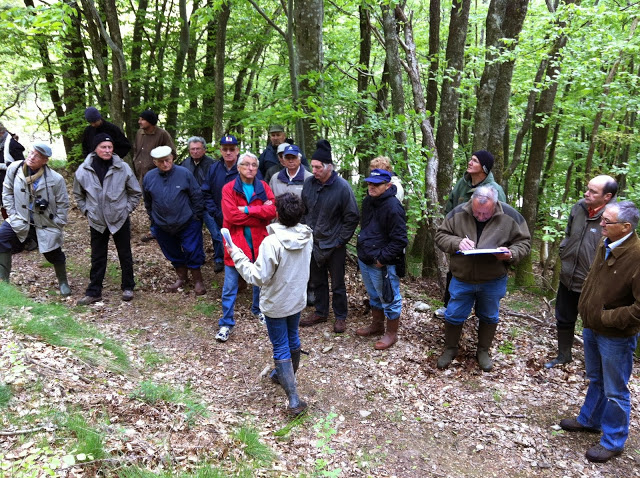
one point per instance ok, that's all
(364, 61)
(221, 58)
(136, 61)
(171, 124)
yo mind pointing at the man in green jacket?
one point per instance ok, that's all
(610, 309)
(479, 279)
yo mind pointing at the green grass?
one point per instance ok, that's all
(507, 347)
(207, 309)
(253, 447)
(153, 393)
(153, 358)
(90, 442)
(5, 395)
(113, 272)
(55, 324)
(205, 471)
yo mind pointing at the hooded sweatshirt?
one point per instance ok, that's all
(281, 269)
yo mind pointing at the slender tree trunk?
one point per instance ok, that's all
(434, 50)
(136, 62)
(364, 61)
(221, 58)
(208, 78)
(171, 124)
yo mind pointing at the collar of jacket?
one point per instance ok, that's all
(258, 189)
(299, 177)
(332, 179)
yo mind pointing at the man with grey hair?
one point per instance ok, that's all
(577, 249)
(248, 207)
(199, 164)
(483, 237)
(610, 310)
(332, 214)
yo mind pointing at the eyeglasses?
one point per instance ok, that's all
(608, 223)
(249, 165)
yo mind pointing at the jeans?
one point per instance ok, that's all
(486, 297)
(216, 237)
(319, 277)
(372, 278)
(608, 364)
(229, 295)
(566, 308)
(283, 333)
(183, 248)
(99, 249)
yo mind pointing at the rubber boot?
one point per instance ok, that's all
(452, 335)
(295, 361)
(63, 283)
(390, 337)
(565, 341)
(287, 378)
(377, 324)
(5, 266)
(198, 286)
(182, 279)
(486, 332)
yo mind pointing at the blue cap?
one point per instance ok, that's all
(291, 149)
(378, 176)
(43, 148)
(228, 139)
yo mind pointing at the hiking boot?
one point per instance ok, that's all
(127, 295)
(198, 285)
(148, 237)
(182, 272)
(599, 454)
(223, 333)
(573, 425)
(377, 324)
(339, 326)
(451, 338)
(390, 337)
(486, 332)
(312, 319)
(565, 341)
(88, 300)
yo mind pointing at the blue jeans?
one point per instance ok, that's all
(229, 295)
(283, 333)
(608, 363)
(183, 248)
(486, 297)
(372, 278)
(216, 237)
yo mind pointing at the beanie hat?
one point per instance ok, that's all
(486, 160)
(91, 114)
(149, 116)
(100, 138)
(323, 152)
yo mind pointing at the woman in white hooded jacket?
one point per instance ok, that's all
(282, 272)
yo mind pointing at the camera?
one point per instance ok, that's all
(41, 204)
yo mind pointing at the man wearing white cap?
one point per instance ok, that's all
(37, 203)
(174, 203)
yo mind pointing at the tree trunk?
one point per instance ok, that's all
(171, 124)
(208, 77)
(136, 61)
(221, 57)
(364, 141)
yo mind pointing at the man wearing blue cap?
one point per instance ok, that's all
(37, 204)
(381, 243)
(291, 178)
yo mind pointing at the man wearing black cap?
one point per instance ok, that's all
(37, 203)
(97, 125)
(269, 156)
(149, 137)
(332, 214)
(107, 192)
(478, 174)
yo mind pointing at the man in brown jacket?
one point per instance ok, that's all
(479, 278)
(149, 137)
(610, 309)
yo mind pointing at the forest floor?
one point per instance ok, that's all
(372, 413)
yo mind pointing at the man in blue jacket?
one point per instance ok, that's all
(174, 203)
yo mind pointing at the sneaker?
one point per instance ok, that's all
(218, 267)
(439, 313)
(88, 300)
(260, 316)
(127, 295)
(223, 333)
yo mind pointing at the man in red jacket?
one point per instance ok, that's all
(248, 206)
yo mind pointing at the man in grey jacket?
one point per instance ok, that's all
(577, 250)
(37, 204)
(107, 192)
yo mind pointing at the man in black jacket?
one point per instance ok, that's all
(381, 243)
(97, 125)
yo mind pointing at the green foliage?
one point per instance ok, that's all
(253, 447)
(203, 471)
(507, 347)
(152, 357)
(152, 393)
(324, 432)
(207, 309)
(55, 324)
(90, 442)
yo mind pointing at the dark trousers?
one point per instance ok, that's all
(9, 242)
(334, 266)
(566, 308)
(99, 249)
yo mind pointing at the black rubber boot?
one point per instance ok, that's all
(295, 361)
(486, 332)
(287, 378)
(565, 341)
(451, 338)
(63, 283)
(5, 266)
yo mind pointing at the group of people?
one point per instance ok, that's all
(288, 239)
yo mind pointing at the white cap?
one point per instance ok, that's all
(282, 147)
(160, 152)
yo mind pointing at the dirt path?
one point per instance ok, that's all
(395, 413)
